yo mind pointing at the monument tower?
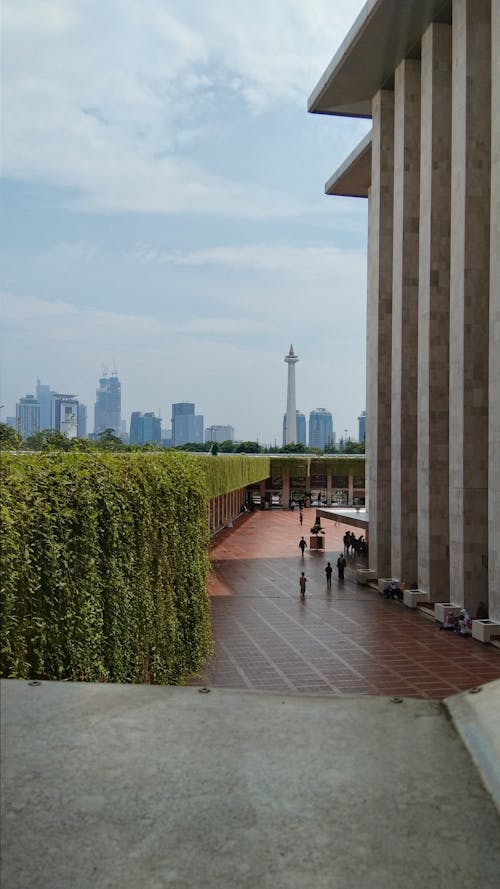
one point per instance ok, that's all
(291, 412)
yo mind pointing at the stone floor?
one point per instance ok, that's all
(348, 640)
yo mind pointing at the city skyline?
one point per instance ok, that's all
(164, 191)
(108, 415)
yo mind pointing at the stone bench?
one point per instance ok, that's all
(486, 630)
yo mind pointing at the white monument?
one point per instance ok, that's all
(291, 411)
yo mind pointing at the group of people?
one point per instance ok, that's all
(355, 546)
(341, 565)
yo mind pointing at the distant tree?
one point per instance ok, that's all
(354, 447)
(227, 447)
(47, 440)
(214, 450)
(9, 439)
(109, 441)
(81, 444)
(248, 447)
(196, 446)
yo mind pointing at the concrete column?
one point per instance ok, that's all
(469, 300)
(494, 407)
(379, 331)
(433, 314)
(329, 485)
(405, 320)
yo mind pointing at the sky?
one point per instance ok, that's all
(163, 209)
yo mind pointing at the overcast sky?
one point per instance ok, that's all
(164, 210)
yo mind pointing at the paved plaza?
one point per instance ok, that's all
(349, 640)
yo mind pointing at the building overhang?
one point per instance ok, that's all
(384, 33)
(353, 177)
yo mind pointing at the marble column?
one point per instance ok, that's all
(469, 300)
(405, 320)
(433, 314)
(494, 384)
(379, 331)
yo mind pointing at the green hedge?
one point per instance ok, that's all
(227, 473)
(103, 566)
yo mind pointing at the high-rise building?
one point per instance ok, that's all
(219, 433)
(144, 428)
(27, 416)
(186, 425)
(291, 410)
(44, 397)
(300, 421)
(107, 410)
(430, 169)
(320, 428)
(82, 421)
(64, 414)
(362, 426)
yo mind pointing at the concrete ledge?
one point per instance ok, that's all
(477, 719)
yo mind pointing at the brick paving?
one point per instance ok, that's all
(348, 640)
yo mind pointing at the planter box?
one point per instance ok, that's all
(443, 609)
(364, 575)
(317, 542)
(384, 582)
(412, 598)
(485, 629)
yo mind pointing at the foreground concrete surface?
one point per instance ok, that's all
(128, 786)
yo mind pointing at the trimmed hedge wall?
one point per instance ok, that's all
(104, 564)
(226, 473)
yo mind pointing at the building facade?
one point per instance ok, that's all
(186, 425)
(145, 428)
(301, 428)
(362, 426)
(64, 414)
(27, 416)
(320, 428)
(428, 77)
(108, 404)
(44, 396)
(219, 433)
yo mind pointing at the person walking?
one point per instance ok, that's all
(302, 585)
(328, 572)
(341, 563)
(301, 516)
(302, 546)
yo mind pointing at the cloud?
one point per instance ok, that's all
(100, 99)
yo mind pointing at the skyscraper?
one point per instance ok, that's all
(27, 416)
(44, 395)
(291, 411)
(82, 421)
(219, 433)
(362, 426)
(301, 428)
(107, 410)
(145, 428)
(320, 428)
(186, 425)
(64, 414)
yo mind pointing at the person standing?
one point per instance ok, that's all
(328, 572)
(341, 563)
(302, 546)
(302, 584)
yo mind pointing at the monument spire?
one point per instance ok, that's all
(291, 409)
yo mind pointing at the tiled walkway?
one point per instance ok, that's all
(343, 641)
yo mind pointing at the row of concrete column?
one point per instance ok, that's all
(224, 508)
(433, 325)
(286, 487)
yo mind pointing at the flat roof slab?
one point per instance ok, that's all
(127, 786)
(384, 33)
